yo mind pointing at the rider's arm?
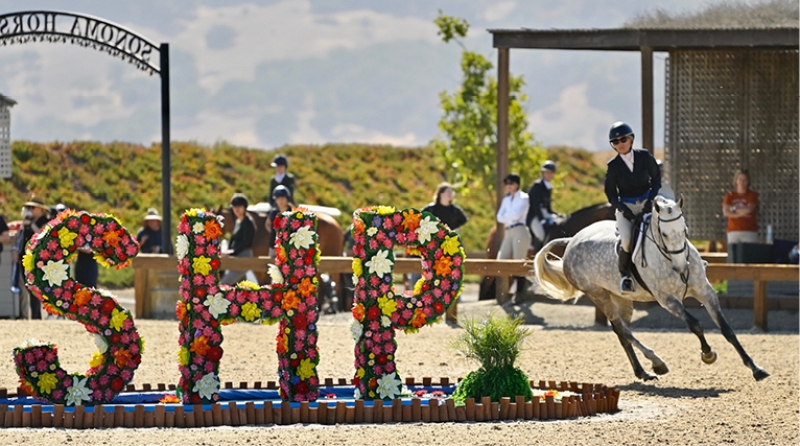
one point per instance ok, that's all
(611, 187)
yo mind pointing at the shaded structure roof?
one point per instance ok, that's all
(6, 101)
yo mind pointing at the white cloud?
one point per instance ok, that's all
(498, 11)
(572, 121)
(305, 132)
(237, 127)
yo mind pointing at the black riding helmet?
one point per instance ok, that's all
(280, 191)
(618, 130)
(239, 199)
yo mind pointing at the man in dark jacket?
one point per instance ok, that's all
(36, 214)
(281, 178)
(633, 179)
(541, 218)
(242, 237)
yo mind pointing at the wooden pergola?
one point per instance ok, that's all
(646, 41)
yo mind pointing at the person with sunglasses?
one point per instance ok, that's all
(632, 182)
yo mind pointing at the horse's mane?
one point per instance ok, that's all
(588, 210)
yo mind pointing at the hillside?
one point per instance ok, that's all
(125, 179)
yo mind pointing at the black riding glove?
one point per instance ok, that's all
(627, 213)
(648, 207)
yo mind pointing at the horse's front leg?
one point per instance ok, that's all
(709, 298)
(624, 334)
(675, 307)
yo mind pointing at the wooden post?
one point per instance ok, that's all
(501, 282)
(760, 307)
(140, 292)
(648, 141)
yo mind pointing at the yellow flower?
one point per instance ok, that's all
(117, 318)
(201, 265)
(66, 237)
(360, 372)
(418, 286)
(251, 312)
(385, 210)
(97, 360)
(27, 261)
(451, 245)
(47, 382)
(358, 270)
(249, 285)
(183, 356)
(388, 306)
(306, 369)
(193, 212)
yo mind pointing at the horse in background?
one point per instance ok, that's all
(566, 227)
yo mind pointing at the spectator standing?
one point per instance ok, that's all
(741, 207)
(35, 215)
(149, 236)
(281, 196)
(632, 182)
(281, 177)
(512, 213)
(242, 237)
(541, 217)
(451, 214)
(4, 236)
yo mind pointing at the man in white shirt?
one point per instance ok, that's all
(517, 238)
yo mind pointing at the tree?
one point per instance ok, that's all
(469, 122)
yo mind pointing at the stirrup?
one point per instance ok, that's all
(626, 285)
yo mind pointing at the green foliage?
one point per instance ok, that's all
(467, 148)
(495, 341)
(496, 383)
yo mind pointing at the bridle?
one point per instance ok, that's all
(664, 250)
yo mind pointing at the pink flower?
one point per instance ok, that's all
(389, 347)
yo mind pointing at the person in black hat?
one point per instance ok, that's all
(281, 178)
(242, 237)
(541, 217)
(633, 179)
(517, 238)
(35, 215)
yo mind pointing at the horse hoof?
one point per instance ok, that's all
(648, 377)
(709, 357)
(661, 369)
(760, 374)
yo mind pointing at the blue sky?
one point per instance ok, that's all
(266, 73)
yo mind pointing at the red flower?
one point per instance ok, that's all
(215, 263)
(195, 398)
(214, 353)
(301, 387)
(382, 359)
(108, 306)
(438, 307)
(373, 313)
(117, 384)
(300, 322)
(115, 338)
(199, 292)
(84, 219)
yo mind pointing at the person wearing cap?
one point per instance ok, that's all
(541, 217)
(632, 182)
(517, 238)
(242, 237)
(35, 215)
(281, 178)
(282, 199)
(149, 236)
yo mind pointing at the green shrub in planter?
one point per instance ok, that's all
(495, 343)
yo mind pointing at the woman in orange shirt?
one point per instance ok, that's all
(741, 208)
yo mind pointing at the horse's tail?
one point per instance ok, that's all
(550, 272)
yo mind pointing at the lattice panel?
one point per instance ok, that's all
(731, 109)
(5, 143)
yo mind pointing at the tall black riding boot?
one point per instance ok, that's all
(626, 284)
(522, 286)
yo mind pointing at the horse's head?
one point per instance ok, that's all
(670, 232)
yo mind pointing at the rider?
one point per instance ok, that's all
(632, 182)
(281, 178)
(282, 198)
(540, 218)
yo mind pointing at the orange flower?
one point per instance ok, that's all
(82, 297)
(418, 319)
(112, 238)
(306, 288)
(122, 357)
(358, 226)
(212, 230)
(180, 310)
(411, 220)
(290, 300)
(443, 266)
(358, 312)
(169, 399)
(200, 345)
(283, 344)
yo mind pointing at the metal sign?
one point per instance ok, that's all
(84, 30)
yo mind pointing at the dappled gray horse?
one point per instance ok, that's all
(670, 269)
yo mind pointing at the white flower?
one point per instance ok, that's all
(198, 228)
(356, 330)
(182, 246)
(425, 229)
(33, 342)
(217, 305)
(275, 274)
(357, 394)
(386, 322)
(302, 238)
(78, 392)
(56, 272)
(380, 264)
(100, 342)
(389, 386)
(372, 231)
(207, 386)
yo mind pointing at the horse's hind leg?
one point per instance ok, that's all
(675, 307)
(712, 306)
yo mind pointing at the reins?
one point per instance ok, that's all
(662, 248)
